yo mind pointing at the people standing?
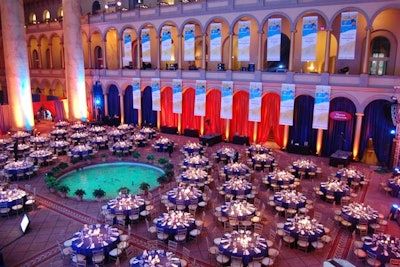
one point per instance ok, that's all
(16, 150)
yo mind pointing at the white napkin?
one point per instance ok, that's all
(374, 248)
(92, 245)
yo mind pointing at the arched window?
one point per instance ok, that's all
(96, 7)
(46, 16)
(60, 14)
(35, 58)
(380, 51)
(98, 52)
(48, 63)
(32, 18)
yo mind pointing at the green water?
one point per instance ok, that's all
(111, 177)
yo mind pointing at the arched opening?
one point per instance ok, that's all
(98, 57)
(46, 16)
(380, 51)
(96, 7)
(35, 59)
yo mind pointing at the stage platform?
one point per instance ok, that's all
(340, 157)
(210, 139)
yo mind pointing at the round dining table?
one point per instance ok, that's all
(139, 139)
(237, 186)
(356, 211)
(159, 257)
(149, 132)
(350, 175)
(196, 161)
(336, 187)
(239, 209)
(194, 175)
(258, 149)
(384, 246)
(192, 148)
(95, 237)
(245, 244)
(186, 193)
(42, 155)
(236, 168)
(304, 226)
(280, 177)
(11, 196)
(175, 220)
(126, 203)
(21, 166)
(285, 198)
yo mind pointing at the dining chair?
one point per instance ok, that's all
(172, 245)
(98, 256)
(287, 238)
(18, 206)
(76, 257)
(221, 259)
(161, 235)
(372, 260)
(303, 243)
(185, 257)
(236, 261)
(115, 254)
(134, 216)
(181, 235)
(212, 249)
(194, 233)
(4, 209)
(151, 230)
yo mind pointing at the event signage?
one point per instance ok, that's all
(155, 94)
(146, 53)
(226, 100)
(136, 93)
(340, 116)
(177, 96)
(215, 41)
(309, 39)
(287, 104)
(348, 34)
(127, 58)
(255, 101)
(244, 41)
(321, 107)
(166, 43)
(274, 39)
(189, 42)
(200, 99)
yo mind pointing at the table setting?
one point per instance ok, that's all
(82, 150)
(39, 141)
(305, 166)
(336, 187)
(186, 193)
(116, 134)
(175, 220)
(5, 142)
(100, 141)
(280, 177)
(161, 144)
(122, 146)
(97, 130)
(59, 146)
(258, 149)
(196, 161)
(226, 153)
(126, 203)
(263, 159)
(155, 258)
(139, 139)
(41, 155)
(20, 166)
(245, 244)
(285, 198)
(237, 186)
(236, 168)
(21, 136)
(356, 211)
(350, 174)
(194, 175)
(59, 133)
(62, 124)
(79, 137)
(384, 246)
(10, 196)
(93, 237)
(192, 148)
(148, 132)
(394, 184)
(304, 226)
(78, 127)
(240, 209)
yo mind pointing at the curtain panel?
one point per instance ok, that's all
(189, 121)
(168, 118)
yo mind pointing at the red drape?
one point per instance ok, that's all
(213, 113)
(168, 118)
(189, 121)
(240, 123)
(270, 110)
(49, 105)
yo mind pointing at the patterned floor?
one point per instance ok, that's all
(56, 219)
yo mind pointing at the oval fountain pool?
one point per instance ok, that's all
(111, 177)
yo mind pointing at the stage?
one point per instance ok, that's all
(210, 139)
(340, 157)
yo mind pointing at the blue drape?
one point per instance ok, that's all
(114, 108)
(302, 131)
(149, 117)
(377, 124)
(98, 98)
(333, 139)
(131, 115)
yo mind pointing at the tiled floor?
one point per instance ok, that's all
(56, 219)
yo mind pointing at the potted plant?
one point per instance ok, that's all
(162, 179)
(51, 183)
(63, 190)
(151, 158)
(104, 157)
(99, 194)
(144, 187)
(168, 166)
(136, 155)
(162, 161)
(79, 194)
(124, 190)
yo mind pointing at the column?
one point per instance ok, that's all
(39, 56)
(121, 104)
(51, 55)
(138, 57)
(104, 54)
(16, 64)
(357, 135)
(121, 47)
(62, 55)
(74, 62)
(179, 52)
(291, 54)
(89, 44)
(260, 52)
(158, 52)
(105, 104)
(319, 141)
(285, 136)
(366, 53)
(158, 119)
(227, 129)
(327, 50)
(203, 58)
(255, 132)
(29, 56)
(230, 52)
